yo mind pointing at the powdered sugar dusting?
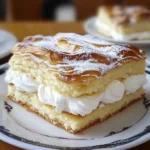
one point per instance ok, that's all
(44, 44)
(78, 67)
(88, 45)
(95, 40)
(76, 39)
(86, 42)
(141, 51)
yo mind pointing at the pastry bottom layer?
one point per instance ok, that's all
(67, 121)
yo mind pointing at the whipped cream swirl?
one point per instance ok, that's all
(114, 92)
(21, 81)
(83, 105)
(133, 83)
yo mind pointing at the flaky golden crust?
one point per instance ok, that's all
(75, 57)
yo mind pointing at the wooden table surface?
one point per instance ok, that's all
(22, 29)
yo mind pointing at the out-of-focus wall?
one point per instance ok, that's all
(24, 9)
(87, 8)
(2, 9)
(19, 10)
(138, 2)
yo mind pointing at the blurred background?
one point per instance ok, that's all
(55, 10)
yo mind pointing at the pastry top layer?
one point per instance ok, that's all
(75, 57)
(125, 15)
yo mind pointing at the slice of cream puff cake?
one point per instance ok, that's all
(75, 81)
(124, 22)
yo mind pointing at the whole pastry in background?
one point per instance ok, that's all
(124, 22)
(75, 81)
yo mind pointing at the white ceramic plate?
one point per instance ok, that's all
(7, 41)
(89, 26)
(26, 130)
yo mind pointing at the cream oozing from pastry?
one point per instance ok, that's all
(21, 81)
(83, 105)
(79, 105)
(114, 92)
(140, 35)
(133, 83)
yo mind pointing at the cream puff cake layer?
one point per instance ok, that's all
(124, 23)
(74, 81)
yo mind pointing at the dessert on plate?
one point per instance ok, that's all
(124, 22)
(75, 81)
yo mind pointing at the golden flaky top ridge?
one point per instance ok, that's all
(75, 57)
(126, 14)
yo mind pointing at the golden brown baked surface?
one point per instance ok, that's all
(76, 58)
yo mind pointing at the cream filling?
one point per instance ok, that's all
(21, 81)
(77, 106)
(140, 35)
